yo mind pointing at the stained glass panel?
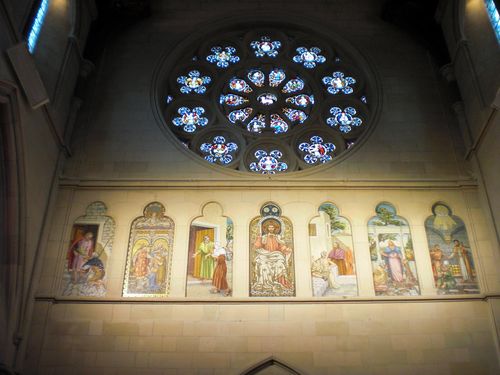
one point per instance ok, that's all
(343, 119)
(190, 119)
(293, 85)
(222, 57)
(219, 150)
(309, 57)
(239, 115)
(265, 47)
(295, 115)
(268, 163)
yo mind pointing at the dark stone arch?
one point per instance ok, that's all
(12, 224)
(270, 362)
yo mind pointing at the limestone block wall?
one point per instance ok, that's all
(313, 338)
(114, 334)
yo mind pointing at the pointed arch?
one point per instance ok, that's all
(88, 253)
(210, 253)
(391, 252)
(260, 367)
(13, 216)
(453, 265)
(333, 271)
(149, 256)
(272, 265)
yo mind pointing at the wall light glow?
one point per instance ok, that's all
(36, 27)
(494, 17)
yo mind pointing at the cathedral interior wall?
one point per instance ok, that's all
(121, 156)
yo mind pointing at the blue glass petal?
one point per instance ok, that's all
(253, 167)
(231, 146)
(260, 154)
(304, 146)
(276, 153)
(309, 159)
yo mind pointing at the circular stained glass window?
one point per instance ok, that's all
(265, 101)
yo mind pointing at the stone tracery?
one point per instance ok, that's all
(271, 92)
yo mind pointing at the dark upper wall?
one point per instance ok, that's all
(33, 145)
(413, 139)
(475, 66)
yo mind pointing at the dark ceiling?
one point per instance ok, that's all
(415, 17)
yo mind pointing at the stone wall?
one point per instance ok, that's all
(411, 159)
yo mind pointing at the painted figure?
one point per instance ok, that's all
(206, 250)
(79, 253)
(436, 260)
(140, 262)
(147, 271)
(461, 253)
(271, 260)
(449, 250)
(95, 267)
(394, 260)
(343, 259)
(324, 269)
(219, 280)
(445, 279)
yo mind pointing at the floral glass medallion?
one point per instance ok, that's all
(337, 83)
(268, 163)
(265, 47)
(343, 119)
(193, 82)
(309, 57)
(190, 119)
(219, 150)
(316, 150)
(222, 57)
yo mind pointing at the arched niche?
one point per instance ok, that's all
(271, 366)
(89, 249)
(333, 267)
(391, 252)
(451, 256)
(210, 254)
(149, 256)
(272, 264)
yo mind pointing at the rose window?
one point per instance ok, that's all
(265, 101)
(270, 101)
